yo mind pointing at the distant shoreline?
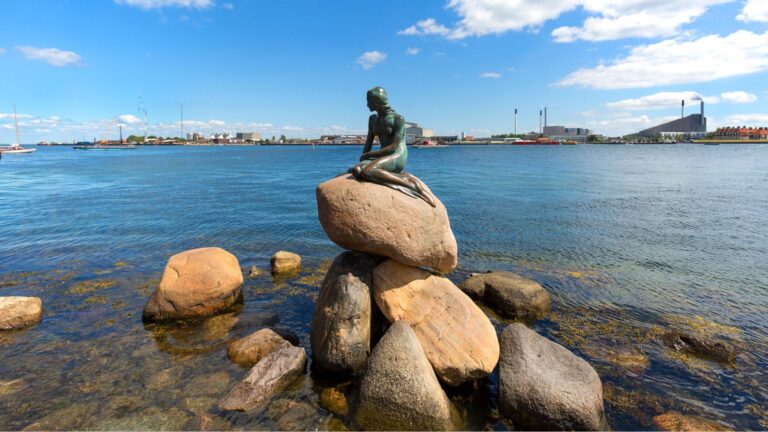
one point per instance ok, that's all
(463, 143)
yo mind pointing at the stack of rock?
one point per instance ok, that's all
(437, 333)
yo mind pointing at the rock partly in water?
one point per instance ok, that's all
(378, 220)
(675, 421)
(716, 350)
(251, 349)
(457, 337)
(197, 282)
(19, 312)
(334, 400)
(270, 375)
(341, 326)
(544, 386)
(509, 294)
(399, 389)
(285, 263)
(254, 272)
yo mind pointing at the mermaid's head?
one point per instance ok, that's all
(377, 98)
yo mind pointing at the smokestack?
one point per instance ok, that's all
(540, 114)
(682, 109)
(702, 112)
(545, 116)
(515, 121)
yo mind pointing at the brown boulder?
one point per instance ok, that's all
(378, 220)
(509, 294)
(285, 262)
(20, 312)
(271, 374)
(197, 282)
(458, 339)
(251, 349)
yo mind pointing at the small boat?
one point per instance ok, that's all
(429, 144)
(16, 148)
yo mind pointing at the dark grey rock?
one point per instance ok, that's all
(712, 349)
(509, 294)
(544, 386)
(341, 326)
(270, 375)
(399, 389)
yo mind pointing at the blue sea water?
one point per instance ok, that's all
(630, 240)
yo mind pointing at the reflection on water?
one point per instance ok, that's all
(631, 241)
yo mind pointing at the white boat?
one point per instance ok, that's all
(16, 148)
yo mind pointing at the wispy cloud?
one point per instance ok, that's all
(370, 59)
(52, 56)
(426, 27)
(738, 97)
(490, 75)
(227, 6)
(677, 61)
(157, 4)
(412, 51)
(2, 51)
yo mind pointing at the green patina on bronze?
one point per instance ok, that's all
(386, 166)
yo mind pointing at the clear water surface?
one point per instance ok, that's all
(631, 241)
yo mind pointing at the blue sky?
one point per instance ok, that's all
(301, 68)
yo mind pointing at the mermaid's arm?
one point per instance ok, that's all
(369, 140)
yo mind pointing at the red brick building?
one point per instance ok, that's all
(742, 132)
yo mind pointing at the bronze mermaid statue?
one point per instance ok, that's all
(385, 166)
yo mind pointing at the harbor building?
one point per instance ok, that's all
(562, 133)
(692, 126)
(247, 136)
(414, 132)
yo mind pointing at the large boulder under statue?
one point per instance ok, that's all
(368, 217)
(195, 283)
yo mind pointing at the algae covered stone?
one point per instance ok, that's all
(251, 349)
(195, 283)
(378, 220)
(341, 326)
(457, 337)
(284, 262)
(509, 294)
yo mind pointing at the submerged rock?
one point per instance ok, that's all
(153, 418)
(509, 294)
(77, 416)
(251, 349)
(378, 220)
(270, 375)
(544, 386)
(399, 389)
(341, 326)
(713, 349)
(254, 272)
(457, 337)
(197, 282)
(675, 421)
(19, 312)
(285, 262)
(208, 385)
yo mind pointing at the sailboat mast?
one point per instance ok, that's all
(16, 122)
(121, 134)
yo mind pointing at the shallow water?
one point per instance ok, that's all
(630, 240)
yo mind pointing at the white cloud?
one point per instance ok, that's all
(10, 116)
(622, 124)
(618, 19)
(607, 19)
(412, 51)
(738, 97)
(425, 27)
(52, 56)
(490, 75)
(228, 6)
(2, 51)
(370, 59)
(156, 4)
(754, 10)
(677, 61)
(660, 100)
(130, 119)
(747, 120)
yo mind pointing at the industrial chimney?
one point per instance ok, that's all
(682, 109)
(545, 116)
(702, 112)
